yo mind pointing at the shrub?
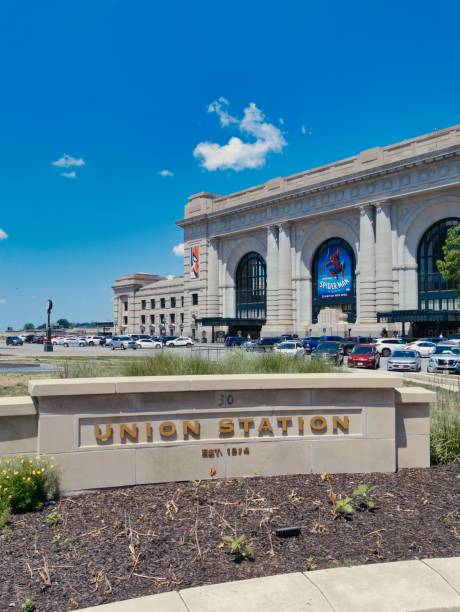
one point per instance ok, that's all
(363, 495)
(26, 483)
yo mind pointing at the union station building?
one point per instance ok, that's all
(344, 249)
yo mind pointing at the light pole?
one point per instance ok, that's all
(48, 346)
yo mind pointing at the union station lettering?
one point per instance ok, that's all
(241, 427)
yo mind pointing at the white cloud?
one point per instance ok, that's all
(305, 130)
(178, 249)
(67, 161)
(170, 276)
(69, 175)
(237, 154)
(3, 234)
(281, 120)
(166, 173)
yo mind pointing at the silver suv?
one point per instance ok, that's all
(123, 342)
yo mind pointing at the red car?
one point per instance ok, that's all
(364, 356)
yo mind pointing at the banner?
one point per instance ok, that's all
(194, 262)
(334, 272)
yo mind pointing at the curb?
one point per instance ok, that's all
(428, 584)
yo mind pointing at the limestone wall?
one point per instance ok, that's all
(121, 431)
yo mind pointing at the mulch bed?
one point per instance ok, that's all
(123, 543)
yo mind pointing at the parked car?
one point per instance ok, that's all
(148, 343)
(266, 344)
(446, 358)
(94, 340)
(403, 359)
(250, 345)
(29, 338)
(423, 347)
(123, 343)
(165, 339)
(181, 341)
(329, 350)
(386, 346)
(435, 339)
(350, 343)
(108, 341)
(310, 343)
(364, 356)
(39, 340)
(59, 340)
(290, 347)
(74, 341)
(14, 341)
(285, 337)
(235, 340)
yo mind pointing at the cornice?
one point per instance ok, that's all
(358, 177)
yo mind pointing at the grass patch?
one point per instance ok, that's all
(234, 362)
(445, 424)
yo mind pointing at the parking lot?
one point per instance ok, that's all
(209, 351)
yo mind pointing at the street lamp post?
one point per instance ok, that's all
(48, 346)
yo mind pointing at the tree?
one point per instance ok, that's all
(63, 323)
(449, 266)
(42, 326)
(28, 327)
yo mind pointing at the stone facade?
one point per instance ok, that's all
(380, 203)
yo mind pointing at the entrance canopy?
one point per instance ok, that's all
(419, 316)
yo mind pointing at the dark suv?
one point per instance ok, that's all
(332, 351)
(14, 341)
(235, 340)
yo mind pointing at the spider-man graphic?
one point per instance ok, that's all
(335, 266)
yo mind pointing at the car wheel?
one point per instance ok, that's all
(386, 352)
(123, 347)
(188, 344)
(65, 344)
(90, 343)
(113, 348)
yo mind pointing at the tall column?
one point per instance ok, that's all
(366, 265)
(285, 310)
(272, 276)
(213, 278)
(384, 258)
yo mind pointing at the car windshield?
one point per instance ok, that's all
(287, 345)
(327, 346)
(362, 350)
(452, 350)
(408, 354)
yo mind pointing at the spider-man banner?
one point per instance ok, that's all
(194, 262)
(334, 273)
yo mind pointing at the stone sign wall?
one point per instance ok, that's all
(123, 431)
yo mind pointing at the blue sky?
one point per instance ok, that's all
(128, 89)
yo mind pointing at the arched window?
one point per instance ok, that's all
(334, 281)
(435, 293)
(251, 287)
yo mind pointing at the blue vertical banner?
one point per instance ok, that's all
(334, 272)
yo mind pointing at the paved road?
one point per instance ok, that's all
(211, 351)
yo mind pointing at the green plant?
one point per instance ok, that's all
(363, 496)
(26, 484)
(53, 518)
(56, 543)
(198, 486)
(310, 563)
(342, 507)
(445, 427)
(5, 511)
(28, 605)
(238, 547)
(457, 477)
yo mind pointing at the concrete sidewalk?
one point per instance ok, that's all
(429, 584)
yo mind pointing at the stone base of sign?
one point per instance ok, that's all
(125, 431)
